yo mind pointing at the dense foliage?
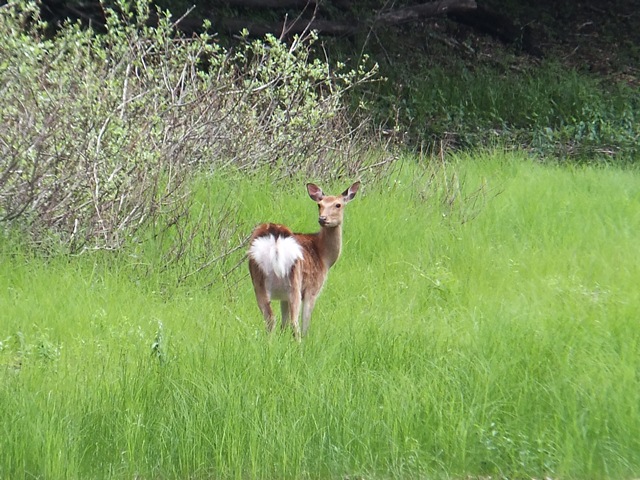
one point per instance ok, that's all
(549, 110)
(101, 132)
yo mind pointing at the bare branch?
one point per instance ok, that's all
(339, 28)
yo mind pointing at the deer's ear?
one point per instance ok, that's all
(315, 192)
(350, 193)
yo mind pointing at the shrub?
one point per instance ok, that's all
(101, 132)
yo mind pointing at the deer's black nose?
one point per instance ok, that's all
(322, 221)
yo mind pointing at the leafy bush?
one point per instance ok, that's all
(100, 133)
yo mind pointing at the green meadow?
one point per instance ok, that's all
(482, 322)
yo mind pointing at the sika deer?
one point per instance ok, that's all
(292, 267)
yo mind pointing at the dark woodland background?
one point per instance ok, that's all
(478, 45)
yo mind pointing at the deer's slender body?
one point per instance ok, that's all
(292, 267)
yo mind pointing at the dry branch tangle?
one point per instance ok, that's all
(334, 27)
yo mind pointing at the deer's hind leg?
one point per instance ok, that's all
(286, 314)
(295, 299)
(264, 303)
(262, 296)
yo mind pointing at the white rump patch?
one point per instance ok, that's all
(275, 255)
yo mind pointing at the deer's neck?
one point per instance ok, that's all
(331, 244)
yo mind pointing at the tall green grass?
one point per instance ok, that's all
(481, 322)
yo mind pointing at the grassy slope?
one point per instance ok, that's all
(482, 320)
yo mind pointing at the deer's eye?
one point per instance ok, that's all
(338, 205)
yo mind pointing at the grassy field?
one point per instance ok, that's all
(482, 322)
